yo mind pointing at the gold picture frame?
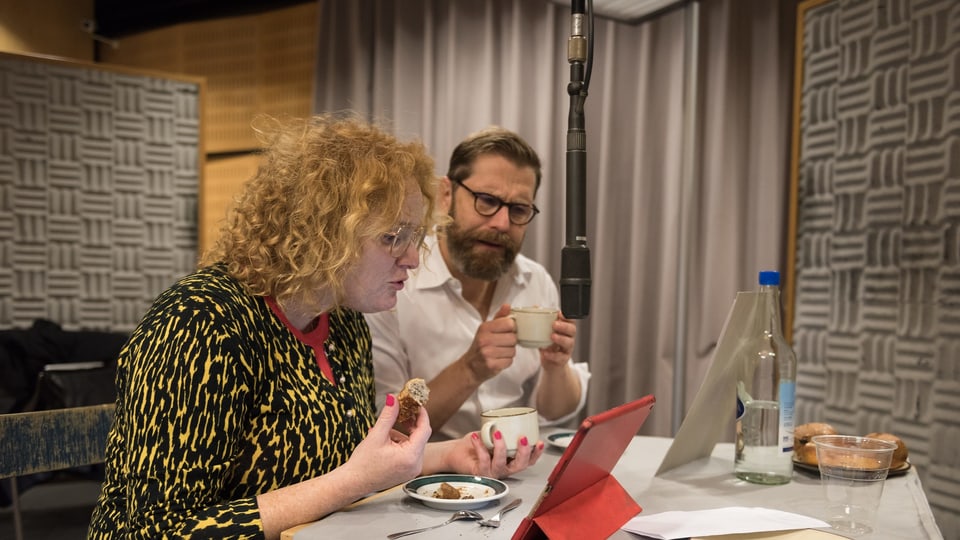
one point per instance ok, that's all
(789, 289)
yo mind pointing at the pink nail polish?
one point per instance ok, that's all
(474, 436)
(497, 435)
(524, 441)
(390, 400)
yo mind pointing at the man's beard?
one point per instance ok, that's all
(474, 265)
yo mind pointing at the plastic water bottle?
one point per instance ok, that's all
(766, 386)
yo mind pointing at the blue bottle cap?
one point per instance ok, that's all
(770, 277)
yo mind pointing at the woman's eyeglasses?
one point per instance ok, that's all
(400, 240)
(487, 205)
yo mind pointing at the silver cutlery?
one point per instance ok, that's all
(458, 515)
(495, 520)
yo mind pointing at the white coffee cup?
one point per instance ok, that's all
(534, 325)
(512, 423)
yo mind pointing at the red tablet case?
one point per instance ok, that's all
(582, 500)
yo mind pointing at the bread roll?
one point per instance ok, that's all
(806, 454)
(900, 454)
(804, 432)
(413, 395)
(804, 450)
(851, 461)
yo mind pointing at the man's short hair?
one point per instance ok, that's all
(492, 140)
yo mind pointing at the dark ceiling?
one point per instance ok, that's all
(117, 18)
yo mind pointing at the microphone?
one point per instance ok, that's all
(575, 256)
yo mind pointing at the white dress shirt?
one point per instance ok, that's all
(433, 325)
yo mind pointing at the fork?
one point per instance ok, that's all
(458, 515)
(495, 520)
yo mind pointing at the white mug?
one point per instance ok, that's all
(534, 325)
(512, 423)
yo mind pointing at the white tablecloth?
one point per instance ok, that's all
(706, 483)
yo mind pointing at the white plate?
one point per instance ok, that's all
(481, 489)
(561, 439)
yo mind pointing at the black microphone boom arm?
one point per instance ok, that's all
(575, 256)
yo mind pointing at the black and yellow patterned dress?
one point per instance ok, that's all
(219, 401)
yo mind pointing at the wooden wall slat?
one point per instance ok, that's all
(254, 64)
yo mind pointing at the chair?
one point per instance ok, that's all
(50, 440)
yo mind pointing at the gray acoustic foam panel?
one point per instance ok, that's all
(877, 325)
(99, 174)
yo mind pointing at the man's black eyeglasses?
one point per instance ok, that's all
(487, 205)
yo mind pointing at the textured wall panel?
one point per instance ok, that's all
(99, 175)
(877, 309)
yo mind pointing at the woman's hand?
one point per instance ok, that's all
(382, 460)
(468, 455)
(387, 457)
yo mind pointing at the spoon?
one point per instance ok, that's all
(495, 520)
(458, 515)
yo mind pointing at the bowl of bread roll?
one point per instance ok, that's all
(805, 451)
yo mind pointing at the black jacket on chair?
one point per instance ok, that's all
(25, 384)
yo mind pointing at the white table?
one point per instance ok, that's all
(703, 484)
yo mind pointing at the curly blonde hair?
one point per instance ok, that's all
(324, 187)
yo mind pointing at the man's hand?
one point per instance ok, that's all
(563, 337)
(493, 347)
(559, 391)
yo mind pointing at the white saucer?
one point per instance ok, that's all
(561, 439)
(480, 489)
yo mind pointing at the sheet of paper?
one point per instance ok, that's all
(716, 521)
(799, 534)
(710, 418)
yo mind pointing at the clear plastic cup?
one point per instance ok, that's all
(852, 473)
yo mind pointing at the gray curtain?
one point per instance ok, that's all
(439, 70)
